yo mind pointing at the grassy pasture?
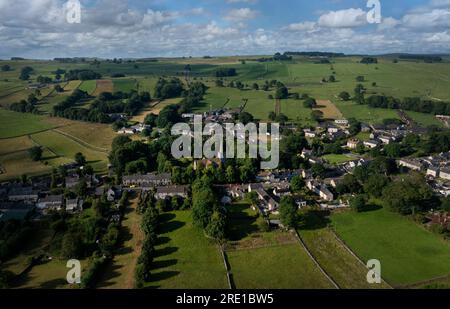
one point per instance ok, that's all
(185, 258)
(330, 111)
(88, 86)
(255, 256)
(408, 253)
(332, 256)
(124, 84)
(66, 148)
(14, 124)
(104, 85)
(16, 164)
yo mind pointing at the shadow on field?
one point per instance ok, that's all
(241, 224)
(53, 284)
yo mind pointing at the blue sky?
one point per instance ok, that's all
(137, 28)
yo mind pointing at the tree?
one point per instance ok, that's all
(318, 170)
(58, 88)
(245, 117)
(252, 198)
(344, 96)
(216, 227)
(281, 93)
(80, 159)
(393, 150)
(288, 212)
(255, 86)
(332, 79)
(6, 68)
(25, 73)
(230, 174)
(317, 115)
(409, 194)
(355, 126)
(35, 153)
(272, 116)
(81, 188)
(297, 183)
(446, 204)
(360, 79)
(71, 246)
(358, 203)
(375, 185)
(310, 103)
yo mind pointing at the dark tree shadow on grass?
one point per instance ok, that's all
(163, 263)
(315, 219)
(53, 284)
(240, 224)
(371, 207)
(165, 251)
(163, 275)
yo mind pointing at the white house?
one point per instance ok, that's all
(445, 174)
(433, 171)
(371, 144)
(411, 164)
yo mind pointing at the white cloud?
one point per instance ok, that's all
(425, 21)
(343, 19)
(303, 26)
(242, 14)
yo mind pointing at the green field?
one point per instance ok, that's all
(407, 252)
(338, 158)
(332, 256)
(254, 256)
(88, 85)
(66, 148)
(50, 274)
(185, 257)
(124, 85)
(14, 124)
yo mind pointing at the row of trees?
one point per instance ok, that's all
(82, 75)
(412, 104)
(149, 226)
(207, 213)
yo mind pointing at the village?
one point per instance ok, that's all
(34, 198)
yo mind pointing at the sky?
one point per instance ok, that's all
(40, 29)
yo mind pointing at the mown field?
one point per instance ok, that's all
(255, 256)
(335, 259)
(407, 252)
(185, 258)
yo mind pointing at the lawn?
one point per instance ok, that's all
(120, 272)
(338, 158)
(332, 256)
(14, 124)
(408, 253)
(186, 259)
